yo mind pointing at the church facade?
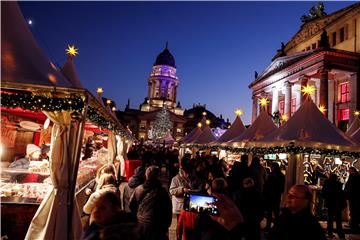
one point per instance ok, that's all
(324, 53)
(163, 84)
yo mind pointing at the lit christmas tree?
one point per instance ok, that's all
(162, 124)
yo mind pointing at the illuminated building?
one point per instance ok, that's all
(324, 53)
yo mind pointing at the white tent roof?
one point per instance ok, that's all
(309, 126)
(205, 137)
(69, 71)
(22, 60)
(236, 129)
(355, 125)
(194, 134)
(262, 126)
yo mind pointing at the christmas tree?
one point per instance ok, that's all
(162, 124)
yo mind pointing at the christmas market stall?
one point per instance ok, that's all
(43, 116)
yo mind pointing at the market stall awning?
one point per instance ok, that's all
(194, 134)
(236, 129)
(262, 126)
(22, 60)
(205, 137)
(308, 127)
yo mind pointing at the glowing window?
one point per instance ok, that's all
(293, 105)
(281, 107)
(344, 92)
(343, 114)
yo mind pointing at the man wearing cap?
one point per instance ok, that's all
(32, 153)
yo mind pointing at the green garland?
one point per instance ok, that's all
(41, 103)
(276, 150)
(28, 101)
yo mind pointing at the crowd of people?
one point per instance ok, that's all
(246, 194)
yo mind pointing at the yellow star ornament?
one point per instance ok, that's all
(308, 89)
(263, 101)
(72, 51)
(322, 108)
(238, 112)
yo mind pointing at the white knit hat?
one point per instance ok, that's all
(31, 148)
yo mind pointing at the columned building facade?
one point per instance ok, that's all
(324, 53)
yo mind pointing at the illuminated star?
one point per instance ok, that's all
(264, 101)
(238, 112)
(204, 113)
(199, 125)
(99, 90)
(71, 50)
(284, 117)
(208, 122)
(322, 108)
(308, 89)
(356, 113)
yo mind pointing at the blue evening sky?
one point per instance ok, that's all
(217, 45)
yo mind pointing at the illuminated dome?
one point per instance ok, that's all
(165, 58)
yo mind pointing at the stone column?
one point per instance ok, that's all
(275, 100)
(287, 102)
(332, 101)
(254, 108)
(149, 89)
(324, 89)
(175, 92)
(354, 95)
(303, 81)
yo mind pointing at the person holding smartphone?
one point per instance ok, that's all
(180, 184)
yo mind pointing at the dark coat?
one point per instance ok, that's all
(298, 226)
(273, 188)
(333, 195)
(152, 205)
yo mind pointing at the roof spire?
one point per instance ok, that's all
(166, 46)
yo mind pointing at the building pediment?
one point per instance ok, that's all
(280, 63)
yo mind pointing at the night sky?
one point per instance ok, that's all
(217, 45)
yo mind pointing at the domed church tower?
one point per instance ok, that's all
(162, 85)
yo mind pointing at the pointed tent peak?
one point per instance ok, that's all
(24, 61)
(166, 45)
(69, 71)
(194, 134)
(262, 126)
(205, 137)
(235, 130)
(354, 126)
(308, 124)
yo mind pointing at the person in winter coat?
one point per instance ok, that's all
(107, 183)
(108, 221)
(152, 206)
(296, 221)
(251, 205)
(335, 202)
(352, 193)
(273, 190)
(137, 179)
(180, 184)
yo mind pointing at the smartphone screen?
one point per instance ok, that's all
(200, 203)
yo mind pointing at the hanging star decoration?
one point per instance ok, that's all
(264, 101)
(356, 113)
(308, 89)
(322, 108)
(284, 117)
(72, 51)
(238, 112)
